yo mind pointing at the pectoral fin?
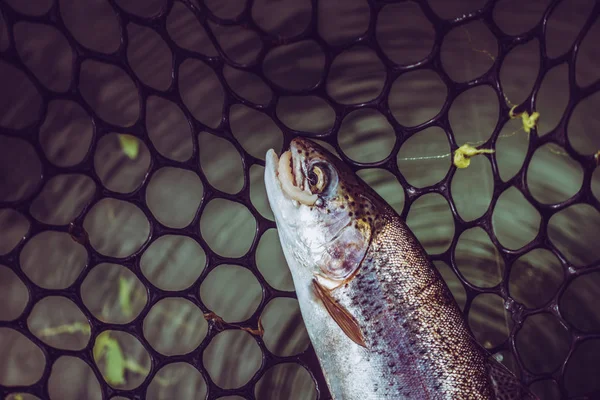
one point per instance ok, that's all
(340, 315)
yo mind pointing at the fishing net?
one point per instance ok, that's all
(166, 97)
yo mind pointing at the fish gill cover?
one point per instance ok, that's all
(138, 256)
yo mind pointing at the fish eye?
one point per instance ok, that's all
(312, 178)
(317, 178)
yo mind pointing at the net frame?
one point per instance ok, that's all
(307, 358)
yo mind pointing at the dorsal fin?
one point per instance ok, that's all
(340, 315)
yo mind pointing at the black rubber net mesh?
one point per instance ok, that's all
(118, 314)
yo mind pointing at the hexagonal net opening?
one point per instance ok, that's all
(138, 254)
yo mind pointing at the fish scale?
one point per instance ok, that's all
(412, 322)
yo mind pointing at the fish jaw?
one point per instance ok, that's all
(273, 186)
(285, 208)
(291, 218)
(286, 212)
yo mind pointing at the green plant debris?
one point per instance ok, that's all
(462, 156)
(105, 310)
(133, 366)
(130, 145)
(125, 289)
(76, 327)
(15, 396)
(116, 364)
(109, 349)
(529, 121)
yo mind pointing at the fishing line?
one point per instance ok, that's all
(462, 155)
(487, 53)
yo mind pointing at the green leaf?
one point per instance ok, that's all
(100, 346)
(125, 287)
(130, 145)
(109, 348)
(133, 366)
(115, 365)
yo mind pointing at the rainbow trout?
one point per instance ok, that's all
(382, 321)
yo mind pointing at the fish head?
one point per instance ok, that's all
(323, 211)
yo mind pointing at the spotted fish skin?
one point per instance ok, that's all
(380, 317)
(415, 333)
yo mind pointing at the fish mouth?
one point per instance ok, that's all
(287, 172)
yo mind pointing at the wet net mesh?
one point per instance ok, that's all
(208, 20)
